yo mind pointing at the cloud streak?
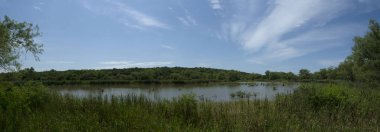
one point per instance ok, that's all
(140, 18)
(306, 43)
(286, 29)
(37, 8)
(286, 16)
(188, 21)
(167, 47)
(215, 4)
(127, 15)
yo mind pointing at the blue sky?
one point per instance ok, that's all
(246, 35)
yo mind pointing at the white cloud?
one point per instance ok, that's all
(306, 43)
(129, 64)
(167, 47)
(37, 8)
(127, 15)
(215, 4)
(171, 9)
(188, 21)
(134, 26)
(285, 17)
(284, 29)
(143, 19)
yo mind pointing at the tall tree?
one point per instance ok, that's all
(304, 74)
(366, 54)
(16, 39)
(345, 69)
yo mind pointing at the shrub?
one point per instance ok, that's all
(329, 96)
(17, 101)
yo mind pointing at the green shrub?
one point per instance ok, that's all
(18, 101)
(328, 96)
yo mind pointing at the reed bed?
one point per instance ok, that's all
(313, 107)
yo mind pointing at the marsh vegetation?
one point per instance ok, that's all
(320, 107)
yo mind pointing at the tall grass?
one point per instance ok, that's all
(313, 107)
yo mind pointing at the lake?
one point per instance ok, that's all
(211, 92)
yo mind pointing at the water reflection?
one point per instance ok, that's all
(213, 92)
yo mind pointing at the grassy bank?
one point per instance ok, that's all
(325, 107)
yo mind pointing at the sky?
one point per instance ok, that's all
(245, 35)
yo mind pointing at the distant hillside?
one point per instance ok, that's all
(175, 75)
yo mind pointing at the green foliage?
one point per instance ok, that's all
(314, 107)
(176, 75)
(185, 107)
(15, 39)
(345, 70)
(19, 101)
(366, 54)
(289, 76)
(329, 96)
(304, 74)
(363, 65)
(330, 73)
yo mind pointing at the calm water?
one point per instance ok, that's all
(213, 92)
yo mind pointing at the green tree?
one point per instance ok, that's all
(290, 76)
(331, 73)
(345, 69)
(322, 74)
(28, 74)
(17, 39)
(267, 74)
(366, 54)
(304, 74)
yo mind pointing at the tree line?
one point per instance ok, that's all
(176, 75)
(131, 75)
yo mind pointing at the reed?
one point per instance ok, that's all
(313, 107)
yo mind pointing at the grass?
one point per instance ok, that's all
(313, 107)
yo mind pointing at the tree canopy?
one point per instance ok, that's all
(366, 54)
(16, 39)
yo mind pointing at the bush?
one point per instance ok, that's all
(17, 101)
(329, 96)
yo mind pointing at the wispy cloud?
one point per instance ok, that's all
(215, 4)
(285, 17)
(37, 8)
(188, 21)
(129, 16)
(167, 47)
(287, 29)
(140, 18)
(38, 5)
(306, 43)
(129, 64)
